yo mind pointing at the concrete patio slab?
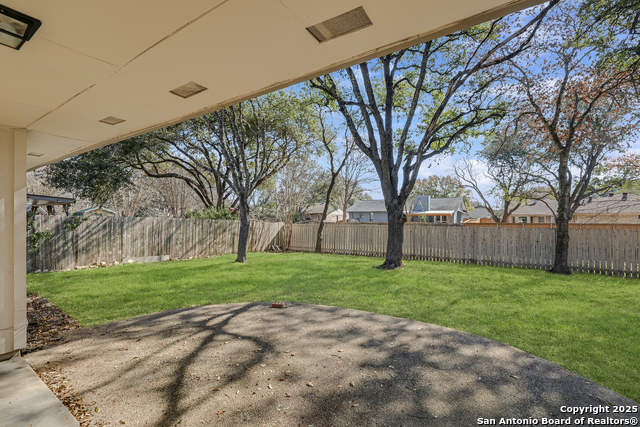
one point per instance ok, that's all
(26, 401)
(253, 365)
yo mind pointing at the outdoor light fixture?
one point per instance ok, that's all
(16, 28)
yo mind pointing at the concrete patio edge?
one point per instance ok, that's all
(26, 401)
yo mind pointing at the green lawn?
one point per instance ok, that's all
(589, 324)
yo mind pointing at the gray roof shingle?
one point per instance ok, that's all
(368, 206)
(446, 203)
(598, 205)
(480, 212)
(438, 204)
(318, 208)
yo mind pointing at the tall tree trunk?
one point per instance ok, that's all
(345, 203)
(319, 236)
(561, 260)
(505, 213)
(345, 216)
(243, 239)
(563, 216)
(395, 231)
(324, 213)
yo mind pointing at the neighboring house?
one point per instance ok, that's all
(536, 212)
(438, 210)
(367, 211)
(445, 210)
(94, 211)
(46, 204)
(478, 215)
(479, 212)
(314, 213)
(621, 208)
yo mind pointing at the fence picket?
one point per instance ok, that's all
(596, 249)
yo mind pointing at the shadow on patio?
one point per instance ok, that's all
(250, 364)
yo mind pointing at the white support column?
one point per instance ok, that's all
(13, 235)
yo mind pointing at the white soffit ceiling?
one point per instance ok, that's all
(100, 59)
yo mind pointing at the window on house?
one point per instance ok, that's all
(440, 219)
(522, 219)
(362, 215)
(371, 216)
(540, 219)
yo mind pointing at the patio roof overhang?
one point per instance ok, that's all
(40, 200)
(98, 60)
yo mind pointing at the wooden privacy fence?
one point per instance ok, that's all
(592, 250)
(110, 239)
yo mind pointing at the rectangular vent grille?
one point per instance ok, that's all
(187, 90)
(340, 25)
(111, 120)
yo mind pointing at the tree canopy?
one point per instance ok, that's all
(412, 105)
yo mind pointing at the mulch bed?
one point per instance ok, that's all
(46, 325)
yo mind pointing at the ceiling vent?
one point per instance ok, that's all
(187, 90)
(111, 120)
(340, 25)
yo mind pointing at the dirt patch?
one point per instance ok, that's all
(46, 325)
